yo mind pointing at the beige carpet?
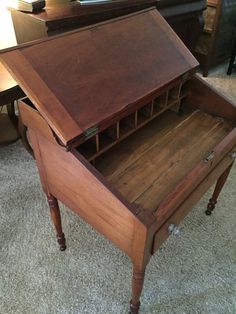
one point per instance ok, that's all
(195, 273)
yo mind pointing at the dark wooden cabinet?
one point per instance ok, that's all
(123, 132)
(184, 16)
(216, 43)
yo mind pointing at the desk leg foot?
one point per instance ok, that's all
(56, 218)
(134, 308)
(137, 286)
(210, 207)
(62, 242)
(219, 186)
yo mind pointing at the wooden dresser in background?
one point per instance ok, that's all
(215, 44)
(184, 16)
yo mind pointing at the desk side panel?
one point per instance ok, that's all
(72, 183)
(72, 180)
(68, 179)
(206, 98)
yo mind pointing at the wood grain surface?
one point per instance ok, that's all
(89, 76)
(167, 157)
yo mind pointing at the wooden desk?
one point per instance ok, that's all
(123, 131)
(184, 16)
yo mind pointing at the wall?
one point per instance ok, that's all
(7, 34)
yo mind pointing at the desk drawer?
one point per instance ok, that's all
(163, 233)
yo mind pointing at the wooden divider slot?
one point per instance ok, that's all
(145, 113)
(170, 99)
(174, 94)
(118, 129)
(175, 106)
(184, 89)
(111, 132)
(108, 136)
(88, 148)
(127, 124)
(97, 143)
(136, 118)
(160, 102)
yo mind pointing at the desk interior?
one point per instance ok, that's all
(147, 165)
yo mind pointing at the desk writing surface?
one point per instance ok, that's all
(86, 77)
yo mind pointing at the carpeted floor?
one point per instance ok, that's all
(195, 273)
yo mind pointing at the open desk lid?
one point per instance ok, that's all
(80, 80)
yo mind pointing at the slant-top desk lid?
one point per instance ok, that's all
(83, 80)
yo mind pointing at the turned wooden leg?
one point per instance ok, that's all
(56, 218)
(219, 185)
(137, 286)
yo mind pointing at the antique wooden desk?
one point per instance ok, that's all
(184, 16)
(123, 131)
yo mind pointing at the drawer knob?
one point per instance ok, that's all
(174, 230)
(233, 155)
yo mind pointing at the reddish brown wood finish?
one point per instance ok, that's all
(56, 218)
(105, 90)
(219, 186)
(138, 229)
(141, 232)
(187, 204)
(137, 286)
(208, 99)
(193, 178)
(58, 17)
(184, 16)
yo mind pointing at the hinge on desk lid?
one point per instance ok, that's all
(91, 131)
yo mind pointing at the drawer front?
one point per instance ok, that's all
(224, 149)
(170, 226)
